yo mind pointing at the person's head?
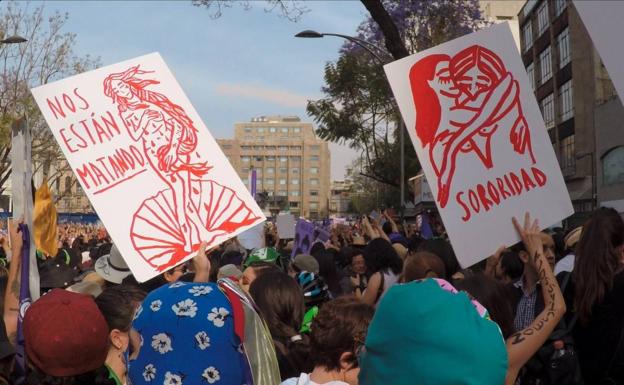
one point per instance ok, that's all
(445, 252)
(422, 265)
(338, 334)
(444, 338)
(599, 255)
(353, 257)
(118, 305)
(380, 256)
(475, 70)
(173, 275)
(185, 333)
(281, 304)
(66, 335)
(510, 267)
(304, 262)
(315, 291)
(329, 271)
(255, 270)
(493, 296)
(549, 252)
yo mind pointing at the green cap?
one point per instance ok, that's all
(266, 254)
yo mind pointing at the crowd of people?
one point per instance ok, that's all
(375, 304)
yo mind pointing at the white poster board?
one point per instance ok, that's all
(480, 138)
(152, 171)
(603, 21)
(286, 226)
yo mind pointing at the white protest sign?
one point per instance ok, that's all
(156, 177)
(252, 238)
(285, 226)
(480, 138)
(603, 21)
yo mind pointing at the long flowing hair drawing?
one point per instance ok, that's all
(171, 224)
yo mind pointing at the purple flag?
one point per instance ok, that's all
(425, 227)
(252, 183)
(24, 303)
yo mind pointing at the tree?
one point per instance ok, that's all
(358, 107)
(47, 56)
(292, 10)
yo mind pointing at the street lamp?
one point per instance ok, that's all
(369, 47)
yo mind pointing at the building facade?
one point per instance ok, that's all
(289, 160)
(497, 11)
(577, 100)
(340, 198)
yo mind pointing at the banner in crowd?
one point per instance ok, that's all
(304, 237)
(603, 21)
(156, 177)
(285, 223)
(480, 138)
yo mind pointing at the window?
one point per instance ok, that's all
(226, 146)
(563, 42)
(295, 148)
(270, 193)
(294, 181)
(245, 170)
(282, 182)
(560, 5)
(296, 130)
(258, 171)
(245, 158)
(567, 155)
(248, 137)
(547, 105)
(295, 170)
(258, 148)
(295, 159)
(78, 189)
(545, 65)
(258, 158)
(270, 170)
(260, 138)
(248, 130)
(314, 182)
(283, 159)
(258, 184)
(269, 148)
(283, 148)
(283, 170)
(260, 130)
(272, 130)
(566, 95)
(527, 34)
(542, 18)
(245, 181)
(294, 193)
(284, 130)
(269, 181)
(295, 205)
(314, 158)
(313, 205)
(57, 184)
(270, 159)
(316, 147)
(245, 148)
(613, 166)
(282, 193)
(531, 72)
(68, 184)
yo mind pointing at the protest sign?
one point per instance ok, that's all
(304, 237)
(285, 226)
(252, 238)
(480, 138)
(603, 21)
(321, 234)
(156, 177)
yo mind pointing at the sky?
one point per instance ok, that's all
(244, 64)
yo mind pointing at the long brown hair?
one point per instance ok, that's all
(597, 260)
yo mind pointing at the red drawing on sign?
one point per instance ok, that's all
(461, 101)
(171, 224)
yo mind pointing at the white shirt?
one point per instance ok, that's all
(565, 264)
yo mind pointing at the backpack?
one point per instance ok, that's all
(548, 368)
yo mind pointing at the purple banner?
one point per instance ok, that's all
(253, 182)
(304, 237)
(24, 302)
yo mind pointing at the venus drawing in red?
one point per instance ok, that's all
(461, 102)
(193, 208)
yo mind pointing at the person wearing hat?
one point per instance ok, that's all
(305, 262)
(567, 263)
(66, 340)
(112, 266)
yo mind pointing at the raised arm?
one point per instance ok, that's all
(522, 345)
(395, 228)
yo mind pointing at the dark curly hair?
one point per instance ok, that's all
(380, 255)
(339, 327)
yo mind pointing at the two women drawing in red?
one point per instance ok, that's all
(171, 224)
(460, 103)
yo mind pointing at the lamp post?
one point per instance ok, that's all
(370, 48)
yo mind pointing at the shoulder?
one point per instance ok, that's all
(292, 381)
